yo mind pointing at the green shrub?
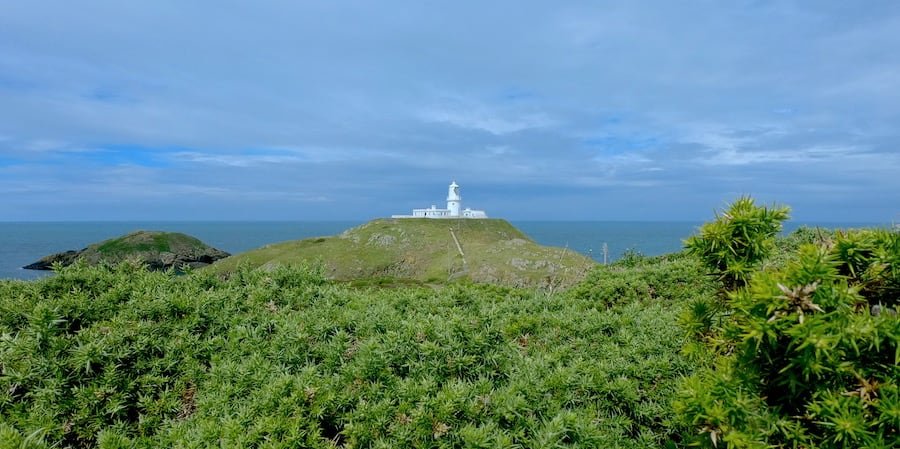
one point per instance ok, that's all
(122, 357)
(787, 246)
(674, 277)
(811, 353)
(737, 241)
(870, 259)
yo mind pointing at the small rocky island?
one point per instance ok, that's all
(157, 250)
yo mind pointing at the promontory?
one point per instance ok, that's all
(425, 250)
(156, 249)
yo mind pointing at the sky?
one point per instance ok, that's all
(351, 110)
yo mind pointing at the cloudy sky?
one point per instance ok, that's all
(319, 110)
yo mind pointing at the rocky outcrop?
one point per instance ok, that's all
(46, 263)
(157, 250)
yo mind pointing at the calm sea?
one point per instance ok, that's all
(24, 243)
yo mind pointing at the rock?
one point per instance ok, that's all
(157, 250)
(516, 242)
(519, 263)
(382, 240)
(46, 263)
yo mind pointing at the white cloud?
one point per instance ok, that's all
(279, 155)
(499, 150)
(624, 159)
(362, 100)
(234, 160)
(490, 121)
(738, 156)
(495, 118)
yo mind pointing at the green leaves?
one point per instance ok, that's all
(122, 357)
(817, 343)
(733, 245)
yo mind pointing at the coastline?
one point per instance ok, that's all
(22, 243)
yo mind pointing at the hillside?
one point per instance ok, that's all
(489, 251)
(158, 250)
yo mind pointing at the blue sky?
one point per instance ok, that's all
(287, 110)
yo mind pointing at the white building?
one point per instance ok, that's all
(454, 202)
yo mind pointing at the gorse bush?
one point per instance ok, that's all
(673, 277)
(809, 353)
(870, 259)
(734, 245)
(122, 357)
(738, 241)
(787, 246)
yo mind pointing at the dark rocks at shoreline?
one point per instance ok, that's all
(47, 262)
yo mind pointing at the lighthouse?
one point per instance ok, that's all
(454, 204)
(453, 199)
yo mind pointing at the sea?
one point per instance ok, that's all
(22, 243)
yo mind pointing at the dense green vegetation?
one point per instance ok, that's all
(122, 357)
(425, 250)
(737, 242)
(148, 241)
(808, 347)
(776, 342)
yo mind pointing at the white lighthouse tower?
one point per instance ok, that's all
(453, 199)
(454, 204)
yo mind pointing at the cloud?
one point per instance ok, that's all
(498, 119)
(486, 121)
(734, 156)
(645, 109)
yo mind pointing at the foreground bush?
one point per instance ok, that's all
(810, 353)
(737, 242)
(128, 358)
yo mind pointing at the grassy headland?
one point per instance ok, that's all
(426, 250)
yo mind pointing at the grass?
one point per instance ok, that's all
(144, 241)
(424, 250)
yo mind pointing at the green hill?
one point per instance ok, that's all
(156, 249)
(426, 250)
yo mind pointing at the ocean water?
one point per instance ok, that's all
(24, 243)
